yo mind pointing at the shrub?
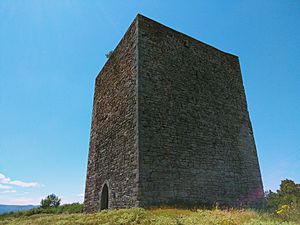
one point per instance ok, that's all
(50, 201)
(288, 193)
(285, 203)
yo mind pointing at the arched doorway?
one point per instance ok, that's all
(104, 198)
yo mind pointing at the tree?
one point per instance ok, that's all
(50, 201)
(288, 193)
(288, 187)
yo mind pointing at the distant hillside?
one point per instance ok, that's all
(13, 208)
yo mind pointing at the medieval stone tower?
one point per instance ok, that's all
(170, 125)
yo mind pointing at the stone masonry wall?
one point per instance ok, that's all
(113, 140)
(170, 125)
(196, 142)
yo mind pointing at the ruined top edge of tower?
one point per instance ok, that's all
(140, 17)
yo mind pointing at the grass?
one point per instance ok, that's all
(167, 216)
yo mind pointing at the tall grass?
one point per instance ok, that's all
(166, 216)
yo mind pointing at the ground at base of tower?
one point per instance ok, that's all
(156, 216)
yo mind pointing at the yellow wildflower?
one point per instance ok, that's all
(281, 211)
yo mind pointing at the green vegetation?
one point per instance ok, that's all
(288, 194)
(50, 201)
(154, 216)
(282, 207)
(285, 203)
(63, 209)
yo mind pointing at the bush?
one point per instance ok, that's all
(285, 203)
(50, 201)
(288, 193)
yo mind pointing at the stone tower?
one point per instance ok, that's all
(170, 125)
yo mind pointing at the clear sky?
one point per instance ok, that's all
(51, 52)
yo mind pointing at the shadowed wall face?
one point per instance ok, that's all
(195, 137)
(170, 125)
(113, 141)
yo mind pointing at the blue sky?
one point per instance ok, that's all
(51, 52)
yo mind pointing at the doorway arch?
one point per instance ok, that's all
(104, 197)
